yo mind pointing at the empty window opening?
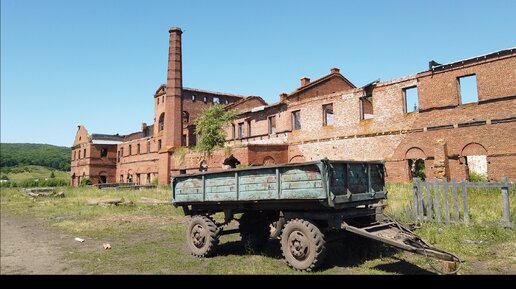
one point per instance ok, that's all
(227, 101)
(328, 114)
(157, 100)
(74, 153)
(416, 168)
(159, 144)
(411, 99)
(79, 157)
(148, 179)
(130, 149)
(84, 153)
(163, 99)
(161, 122)
(233, 131)
(468, 92)
(296, 120)
(193, 98)
(103, 179)
(366, 107)
(476, 166)
(148, 146)
(272, 124)
(241, 130)
(138, 149)
(182, 172)
(103, 152)
(121, 180)
(366, 103)
(249, 128)
(119, 156)
(183, 140)
(205, 99)
(216, 100)
(186, 117)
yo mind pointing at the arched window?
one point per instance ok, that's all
(161, 122)
(186, 117)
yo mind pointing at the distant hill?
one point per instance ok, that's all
(20, 154)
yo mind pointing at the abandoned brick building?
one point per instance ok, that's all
(448, 121)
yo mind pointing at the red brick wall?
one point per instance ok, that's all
(441, 88)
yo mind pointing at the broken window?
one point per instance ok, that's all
(327, 114)
(186, 117)
(296, 120)
(417, 168)
(241, 130)
(272, 124)
(411, 99)
(103, 152)
(161, 122)
(468, 92)
(366, 107)
(366, 103)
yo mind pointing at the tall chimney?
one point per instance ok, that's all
(172, 134)
(305, 81)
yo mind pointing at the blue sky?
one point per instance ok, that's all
(98, 63)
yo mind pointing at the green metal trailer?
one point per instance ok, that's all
(298, 203)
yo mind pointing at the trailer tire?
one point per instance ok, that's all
(303, 245)
(202, 236)
(255, 231)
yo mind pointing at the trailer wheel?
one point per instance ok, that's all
(202, 236)
(303, 245)
(255, 231)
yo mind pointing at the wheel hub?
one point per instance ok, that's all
(198, 236)
(298, 245)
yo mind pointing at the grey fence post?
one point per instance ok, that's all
(437, 203)
(465, 201)
(455, 200)
(505, 202)
(417, 197)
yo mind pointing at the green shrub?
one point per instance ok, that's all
(85, 182)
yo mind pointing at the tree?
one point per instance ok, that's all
(209, 127)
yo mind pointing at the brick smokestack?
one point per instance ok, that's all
(173, 104)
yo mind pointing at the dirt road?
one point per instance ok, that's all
(27, 247)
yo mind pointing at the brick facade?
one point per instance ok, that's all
(329, 117)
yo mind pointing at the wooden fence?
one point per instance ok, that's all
(440, 201)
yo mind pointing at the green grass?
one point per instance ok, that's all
(30, 172)
(149, 239)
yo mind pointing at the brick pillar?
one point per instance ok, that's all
(173, 126)
(173, 104)
(441, 167)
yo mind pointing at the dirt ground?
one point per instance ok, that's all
(27, 247)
